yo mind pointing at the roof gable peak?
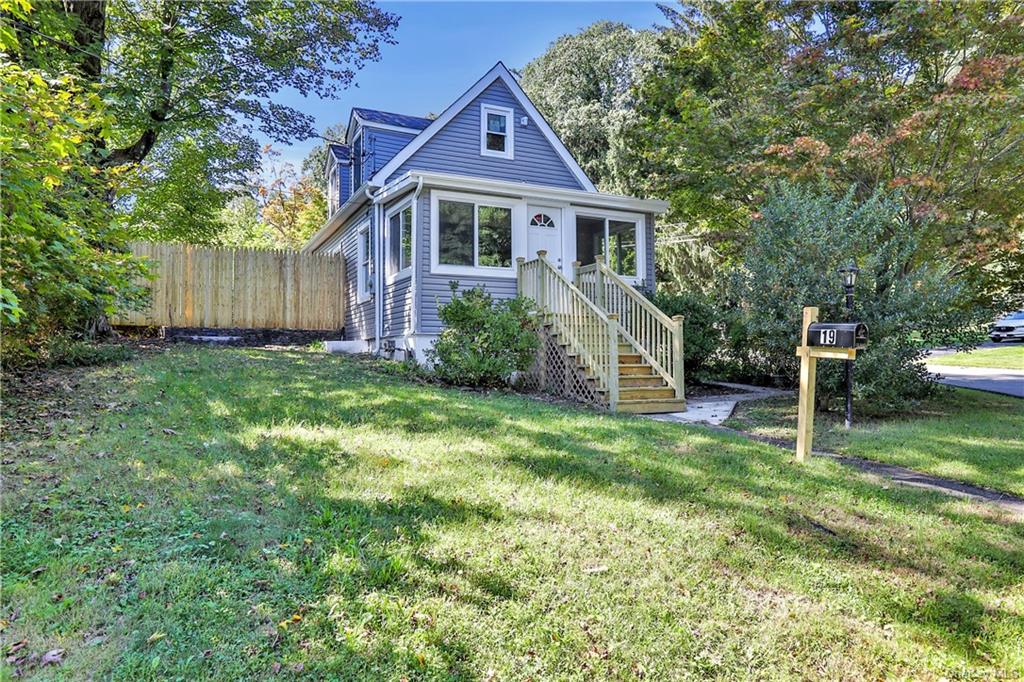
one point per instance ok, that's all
(498, 72)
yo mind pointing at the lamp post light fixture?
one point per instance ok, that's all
(849, 275)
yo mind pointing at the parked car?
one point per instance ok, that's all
(1008, 328)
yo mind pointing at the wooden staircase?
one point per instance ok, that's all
(611, 345)
(641, 389)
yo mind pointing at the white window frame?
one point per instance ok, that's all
(518, 234)
(356, 182)
(510, 127)
(333, 190)
(637, 219)
(401, 273)
(364, 278)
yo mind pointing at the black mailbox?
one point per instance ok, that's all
(838, 334)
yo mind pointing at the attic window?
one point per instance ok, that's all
(496, 131)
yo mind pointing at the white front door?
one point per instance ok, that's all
(544, 233)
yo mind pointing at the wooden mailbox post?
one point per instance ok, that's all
(833, 342)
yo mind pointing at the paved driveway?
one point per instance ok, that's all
(1008, 381)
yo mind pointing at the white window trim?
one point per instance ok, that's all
(352, 160)
(364, 289)
(391, 278)
(518, 235)
(510, 127)
(641, 233)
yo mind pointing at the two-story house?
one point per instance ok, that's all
(473, 196)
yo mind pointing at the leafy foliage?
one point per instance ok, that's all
(62, 257)
(291, 208)
(701, 326)
(186, 84)
(583, 84)
(923, 96)
(484, 341)
(803, 236)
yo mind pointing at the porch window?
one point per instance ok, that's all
(400, 240)
(496, 131)
(609, 240)
(364, 262)
(472, 234)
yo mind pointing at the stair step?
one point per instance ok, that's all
(646, 393)
(652, 406)
(631, 381)
(635, 369)
(631, 359)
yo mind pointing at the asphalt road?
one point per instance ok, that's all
(1007, 381)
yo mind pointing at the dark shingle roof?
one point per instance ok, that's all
(340, 151)
(388, 118)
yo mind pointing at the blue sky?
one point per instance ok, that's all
(443, 47)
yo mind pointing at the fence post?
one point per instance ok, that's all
(677, 355)
(519, 275)
(599, 285)
(576, 272)
(613, 361)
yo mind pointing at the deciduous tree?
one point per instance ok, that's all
(584, 86)
(926, 97)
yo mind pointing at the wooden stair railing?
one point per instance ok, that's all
(586, 331)
(655, 336)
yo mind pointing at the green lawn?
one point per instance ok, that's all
(231, 513)
(1010, 356)
(962, 434)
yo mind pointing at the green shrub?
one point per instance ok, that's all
(904, 297)
(484, 341)
(702, 336)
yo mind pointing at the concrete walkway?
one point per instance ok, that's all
(715, 409)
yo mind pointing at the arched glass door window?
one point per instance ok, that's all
(542, 220)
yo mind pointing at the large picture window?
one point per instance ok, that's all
(474, 234)
(609, 240)
(400, 240)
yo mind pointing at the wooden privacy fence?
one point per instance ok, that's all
(240, 288)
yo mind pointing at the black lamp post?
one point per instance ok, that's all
(849, 275)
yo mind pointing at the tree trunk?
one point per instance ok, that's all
(90, 35)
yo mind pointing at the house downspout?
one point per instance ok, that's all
(416, 260)
(378, 274)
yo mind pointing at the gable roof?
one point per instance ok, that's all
(390, 119)
(498, 72)
(339, 151)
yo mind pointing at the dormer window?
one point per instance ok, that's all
(496, 131)
(357, 161)
(333, 191)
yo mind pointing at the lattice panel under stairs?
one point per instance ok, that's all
(555, 372)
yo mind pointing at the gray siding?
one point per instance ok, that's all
(382, 145)
(344, 181)
(433, 290)
(456, 148)
(359, 317)
(398, 307)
